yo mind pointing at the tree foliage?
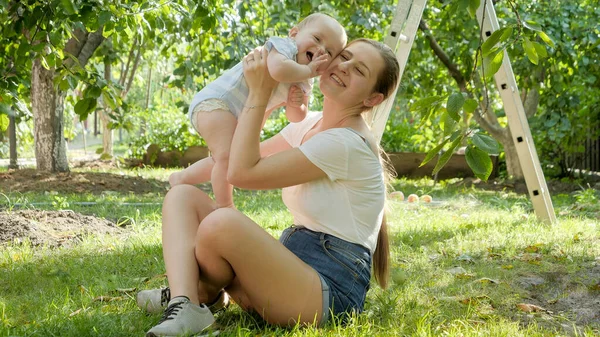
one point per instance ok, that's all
(553, 46)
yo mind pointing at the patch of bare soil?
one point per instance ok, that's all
(52, 228)
(30, 180)
(554, 186)
(565, 301)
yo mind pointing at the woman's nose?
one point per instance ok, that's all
(343, 66)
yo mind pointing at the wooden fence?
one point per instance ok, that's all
(590, 159)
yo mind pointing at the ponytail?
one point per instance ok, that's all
(381, 257)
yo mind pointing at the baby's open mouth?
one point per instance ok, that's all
(309, 56)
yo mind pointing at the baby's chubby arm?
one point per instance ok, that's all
(297, 104)
(284, 70)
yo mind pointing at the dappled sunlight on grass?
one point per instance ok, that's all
(459, 267)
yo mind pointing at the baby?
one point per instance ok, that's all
(292, 61)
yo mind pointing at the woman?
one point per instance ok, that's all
(333, 184)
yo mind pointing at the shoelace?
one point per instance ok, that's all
(171, 311)
(165, 296)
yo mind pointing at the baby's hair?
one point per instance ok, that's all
(312, 17)
(316, 16)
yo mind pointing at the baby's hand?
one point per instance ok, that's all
(316, 63)
(295, 97)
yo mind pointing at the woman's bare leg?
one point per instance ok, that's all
(278, 285)
(183, 209)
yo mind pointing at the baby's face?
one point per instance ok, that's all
(322, 36)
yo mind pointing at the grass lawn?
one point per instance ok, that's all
(476, 264)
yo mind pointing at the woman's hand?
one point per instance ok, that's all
(256, 72)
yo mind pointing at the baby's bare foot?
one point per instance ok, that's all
(175, 179)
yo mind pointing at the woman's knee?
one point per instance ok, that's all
(178, 193)
(220, 223)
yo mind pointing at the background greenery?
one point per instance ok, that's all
(183, 45)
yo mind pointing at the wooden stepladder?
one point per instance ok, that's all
(400, 38)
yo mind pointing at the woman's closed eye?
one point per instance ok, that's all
(358, 70)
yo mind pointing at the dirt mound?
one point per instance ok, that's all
(52, 228)
(562, 298)
(30, 180)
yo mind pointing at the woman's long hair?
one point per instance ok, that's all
(387, 80)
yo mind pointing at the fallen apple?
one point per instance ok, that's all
(426, 198)
(413, 198)
(397, 195)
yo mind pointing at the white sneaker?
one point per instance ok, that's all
(153, 300)
(156, 300)
(182, 318)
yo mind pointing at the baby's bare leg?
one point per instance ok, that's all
(217, 128)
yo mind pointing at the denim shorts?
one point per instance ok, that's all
(344, 268)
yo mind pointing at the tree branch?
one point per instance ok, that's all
(133, 70)
(532, 100)
(487, 119)
(75, 44)
(123, 75)
(93, 42)
(439, 52)
(82, 45)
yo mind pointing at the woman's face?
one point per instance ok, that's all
(352, 75)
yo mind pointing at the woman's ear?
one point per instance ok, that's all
(373, 100)
(293, 32)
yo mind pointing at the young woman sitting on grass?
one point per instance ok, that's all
(333, 184)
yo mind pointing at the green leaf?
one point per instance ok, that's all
(44, 62)
(425, 103)
(479, 162)
(446, 155)
(64, 85)
(540, 49)
(69, 7)
(24, 47)
(455, 103)
(104, 17)
(434, 152)
(530, 51)
(546, 38)
(470, 105)
(499, 36)
(4, 109)
(447, 123)
(4, 122)
(530, 24)
(492, 63)
(473, 5)
(486, 143)
(92, 92)
(109, 100)
(84, 107)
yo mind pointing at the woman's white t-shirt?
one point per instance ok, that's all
(349, 202)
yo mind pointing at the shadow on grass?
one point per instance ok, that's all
(490, 282)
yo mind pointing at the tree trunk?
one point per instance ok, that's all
(48, 105)
(12, 140)
(513, 165)
(107, 134)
